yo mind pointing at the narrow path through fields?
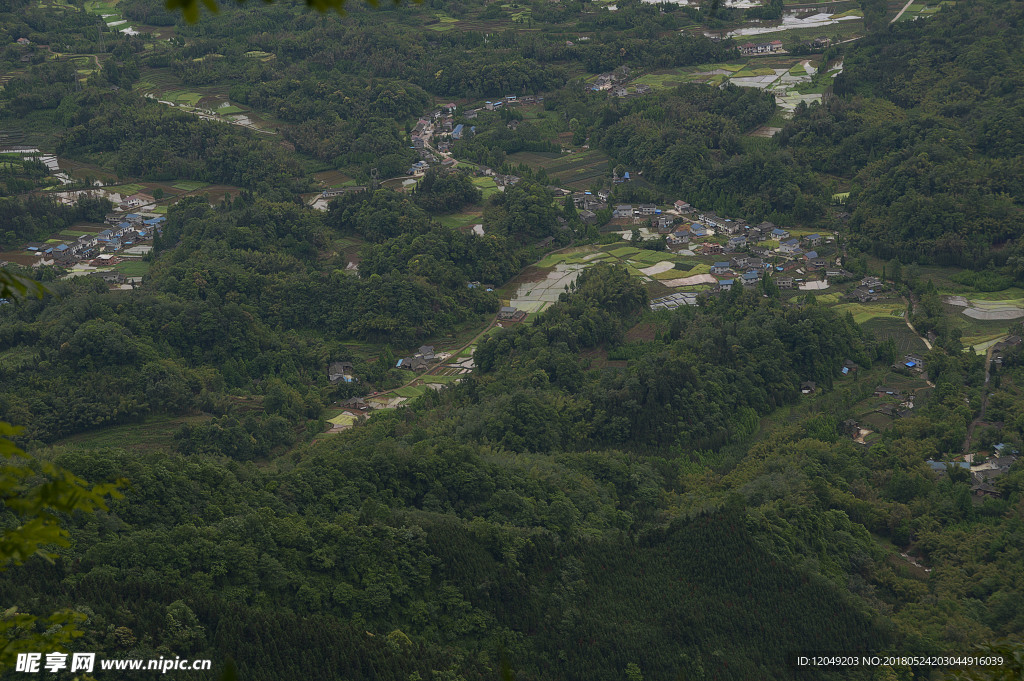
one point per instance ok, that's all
(900, 13)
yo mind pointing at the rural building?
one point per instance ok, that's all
(511, 314)
(340, 372)
(648, 209)
(720, 268)
(357, 403)
(623, 210)
(791, 246)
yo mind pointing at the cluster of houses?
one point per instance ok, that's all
(419, 361)
(635, 91)
(609, 81)
(869, 289)
(588, 203)
(984, 470)
(122, 233)
(742, 239)
(506, 101)
(761, 48)
(1001, 349)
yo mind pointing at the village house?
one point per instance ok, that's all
(340, 372)
(911, 362)
(683, 206)
(779, 234)
(739, 261)
(849, 366)
(784, 282)
(412, 364)
(812, 240)
(790, 246)
(750, 278)
(808, 387)
(882, 391)
(505, 180)
(985, 489)
(701, 232)
(747, 49)
(725, 285)
(871, 282)
(862, 294)
(710, 249)
(730, 227)
(604, 194)
(837, 273)
(738, 242)
(678, 239)
(511, 314)
(1001, 349)
(623, 210)
(357, 403)
(662, 223)
(647, 209)
(720, 268)
(588, 217)
(642, 89)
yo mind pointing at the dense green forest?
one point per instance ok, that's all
(613, 492)
(244, 294)
(927, 125)
(527, 518)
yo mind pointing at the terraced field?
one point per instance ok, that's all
(577, 171)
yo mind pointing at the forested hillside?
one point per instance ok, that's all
(471, 403)
(927, 124)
